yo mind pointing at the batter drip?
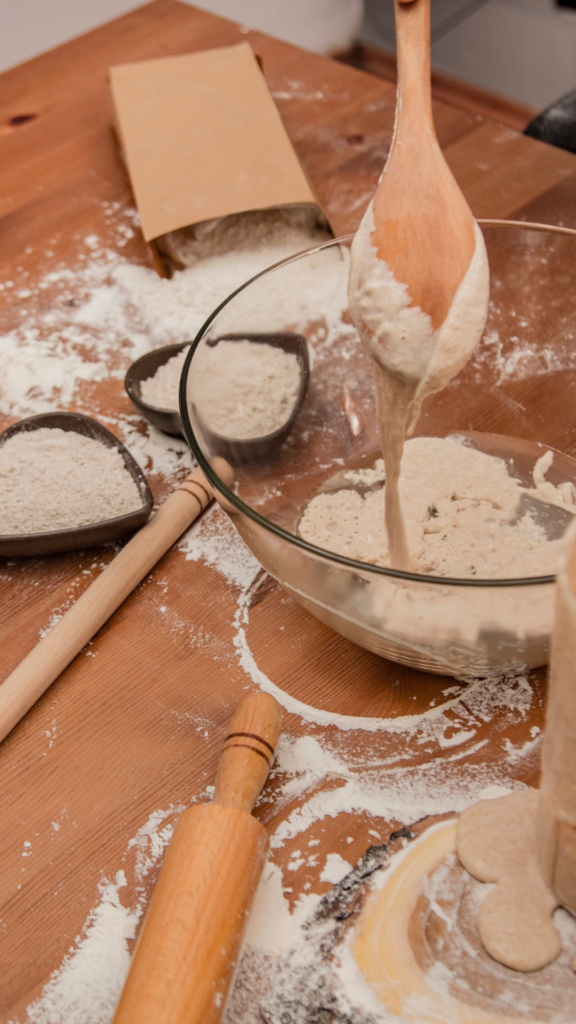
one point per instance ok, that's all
(410, 359)
(496, 842)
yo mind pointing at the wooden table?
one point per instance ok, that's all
(135, 724)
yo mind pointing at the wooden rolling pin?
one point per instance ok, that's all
(67, 638)
(192, 936)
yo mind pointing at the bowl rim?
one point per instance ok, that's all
(331, 556)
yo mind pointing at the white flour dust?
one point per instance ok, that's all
(323, 777)
(88, 983)
(314, 781)
(523, 358)
(453, 722)
(76, 327)
(86, 987)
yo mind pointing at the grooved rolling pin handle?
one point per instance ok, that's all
(249, 751)
(191, 940)
(67, 638)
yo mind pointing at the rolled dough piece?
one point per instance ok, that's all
(496, 842)
(391, 935)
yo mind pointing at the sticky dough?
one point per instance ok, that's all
(460, 510)
(496, 842)
(410, 360)
(526, 843)
(397, 335)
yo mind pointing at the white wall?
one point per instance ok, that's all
(326, 26)
(525, 49)
(28, 27)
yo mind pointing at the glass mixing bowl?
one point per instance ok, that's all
(515, 398)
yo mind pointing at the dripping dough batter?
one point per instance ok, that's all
(410, 359)
(496, 842)
(459, 507)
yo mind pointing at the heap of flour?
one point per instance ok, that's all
(161, 390)
(292, 227)
(460, 507)
(53, 479)
(241, 389)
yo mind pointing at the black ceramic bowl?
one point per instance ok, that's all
(167, 420)
(82, 536)
(244, 449)
(235, 449)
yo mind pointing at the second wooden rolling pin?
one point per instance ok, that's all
(67, 638)
(192, 937)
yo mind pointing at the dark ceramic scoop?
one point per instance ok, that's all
(233, 449)
(167, 420)
(92, 534)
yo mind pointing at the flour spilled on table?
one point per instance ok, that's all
(451, 723)
(60, 352)
(65, 333)
(86, 987)
(74, 328)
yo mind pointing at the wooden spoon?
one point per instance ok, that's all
(424, 229)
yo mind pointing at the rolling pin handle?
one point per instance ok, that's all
(192, 937)
(249, 751)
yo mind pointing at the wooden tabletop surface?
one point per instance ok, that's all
(136, 722)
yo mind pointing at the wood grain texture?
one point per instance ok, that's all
(454, 91)
(135, 723)
(94, 607)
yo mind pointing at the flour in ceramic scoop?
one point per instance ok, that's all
(459, 506)
(79, 481)
(161, 390)
(241, 389)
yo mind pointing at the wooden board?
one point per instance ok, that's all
(136, 722)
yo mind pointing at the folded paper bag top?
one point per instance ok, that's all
(202, 139)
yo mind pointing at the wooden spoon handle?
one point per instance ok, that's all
(67, 638)
(414, 81)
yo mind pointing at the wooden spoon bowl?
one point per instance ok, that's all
(423, 227)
